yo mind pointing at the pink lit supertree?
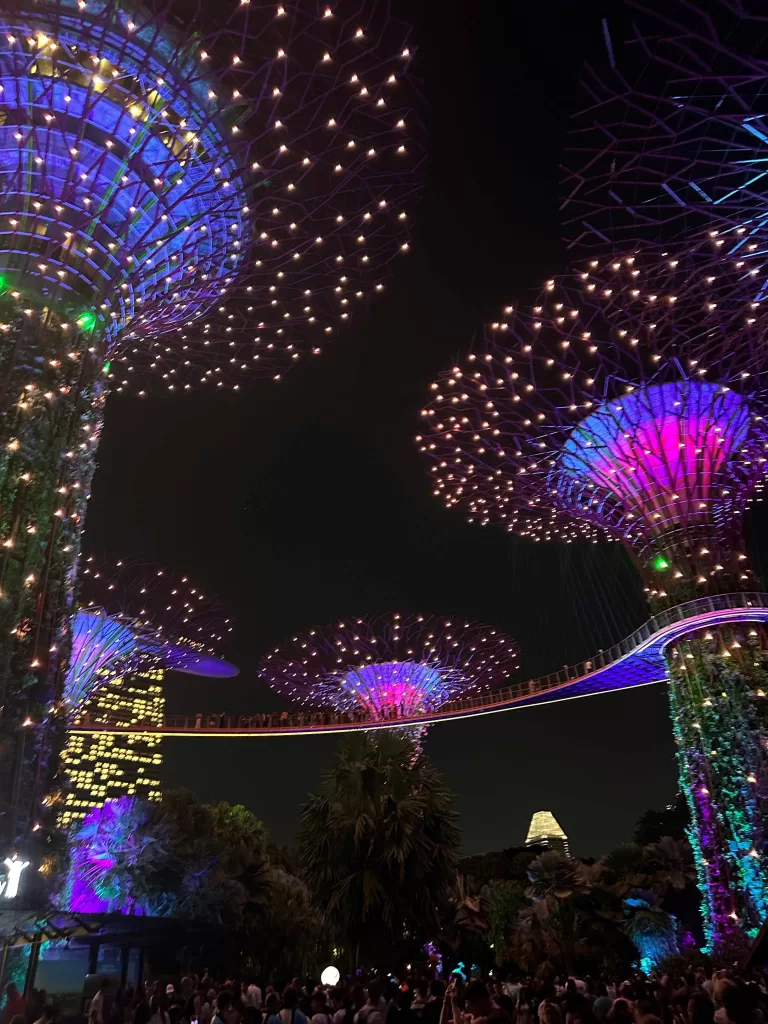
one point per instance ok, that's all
(390, 668)
(673, 136)
(189, 197)
(610, 411)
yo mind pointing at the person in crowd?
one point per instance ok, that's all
(549, 1009)
(478, 1005)
(272, 1008)
(430, 1013)
(420, 998)
(319, 1008)
(603, 1002)
(97, 1011)
(47, 1016)
(157, 1012)
(621, 1012)
(700, 1008)
(374, 1009)
(253, 995)
(290, 1013)
(223, 1005)
(340, 1004)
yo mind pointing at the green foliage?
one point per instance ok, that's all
(505, 899)
(378, 845)
(283, 934)
(601, 916)
(552, 874)
(179, 857)
(503, 864)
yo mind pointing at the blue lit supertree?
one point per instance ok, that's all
(185, 200)
(673, 138)
(131, 617)
(384, 669)
(611, 412)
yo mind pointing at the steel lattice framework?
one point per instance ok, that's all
(187, 198)
(612, 411)
(674, 138)
(391, 667)
(133, 617)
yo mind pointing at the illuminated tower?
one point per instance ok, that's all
(399, 666)
(606, 413)
(158, 621)
(673, 138)
(181, 203)
(544, 830)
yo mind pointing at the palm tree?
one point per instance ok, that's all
(378, 844)
(552, 874)
(117, 857)
(650, 928)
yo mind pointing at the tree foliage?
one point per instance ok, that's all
(378, 845)
(178, 857)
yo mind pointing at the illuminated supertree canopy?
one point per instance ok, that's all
(398, 666)
(673, 137)
(603, 413)
(134, 617)
(613, 412)
(188, 198)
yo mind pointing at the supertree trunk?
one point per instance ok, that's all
(717, 690)
(51, 401)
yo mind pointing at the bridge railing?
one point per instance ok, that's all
(495, 698)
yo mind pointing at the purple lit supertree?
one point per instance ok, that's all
(393, 667)
(673, 139)
(131, 617)
(608, 412)
(186, 198)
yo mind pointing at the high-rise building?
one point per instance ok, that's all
(108, 765)
(545, 830)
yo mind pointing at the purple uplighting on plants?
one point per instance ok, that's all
(103, 851)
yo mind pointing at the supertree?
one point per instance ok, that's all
(130, 617)
(390, 668)
(592, 417)
(180, 205)
(133, 616)
(674, 137)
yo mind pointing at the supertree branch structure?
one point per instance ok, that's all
(130, 617)
(603, 414)
(180, 206)
(392, 667)
(134, 616)
(673, 137)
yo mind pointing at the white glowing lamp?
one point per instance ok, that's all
(330, 976)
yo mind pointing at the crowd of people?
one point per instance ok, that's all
(697, 997)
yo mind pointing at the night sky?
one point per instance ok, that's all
(306, 501)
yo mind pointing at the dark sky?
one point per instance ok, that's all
(304, 501)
